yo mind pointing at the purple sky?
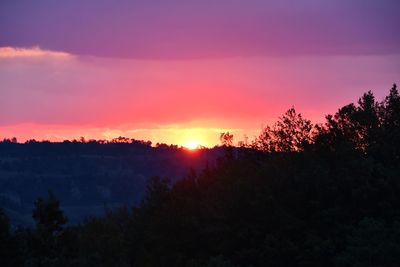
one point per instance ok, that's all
(208, 28)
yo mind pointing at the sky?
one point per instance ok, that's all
(181, 72)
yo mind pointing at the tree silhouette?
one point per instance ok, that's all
(48, 215)
(392, 106)
(7, 249)
(226, 139)
(290, 133)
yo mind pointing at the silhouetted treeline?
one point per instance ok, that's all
(299, 195)
(87, 175)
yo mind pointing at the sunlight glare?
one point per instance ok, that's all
(192, 145)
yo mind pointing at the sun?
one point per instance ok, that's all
(192, 145)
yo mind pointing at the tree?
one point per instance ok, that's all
(290, 133)
(391, 106)
(355, 125)
(226, 139)
(367, 121)
(46, 245)
(4, 225)
(6, 243)
(48, 215)
(389, 139)
(120, 140)
(372, 243)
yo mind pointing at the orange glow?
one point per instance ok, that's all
(185, 135)
(192, 145)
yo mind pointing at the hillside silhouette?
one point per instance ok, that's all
(298, 195)
(88, 176)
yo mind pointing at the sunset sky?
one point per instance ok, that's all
(182, 71)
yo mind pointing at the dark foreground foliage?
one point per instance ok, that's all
(300, 195)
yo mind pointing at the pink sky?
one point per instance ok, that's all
(183, 71)
(56, 95)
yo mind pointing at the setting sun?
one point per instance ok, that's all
(192, 145)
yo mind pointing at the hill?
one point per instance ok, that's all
(88, 177)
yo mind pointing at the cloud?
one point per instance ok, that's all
(203, 29)
(33, 52)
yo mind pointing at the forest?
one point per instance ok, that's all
(88, 176)
(300, 194)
